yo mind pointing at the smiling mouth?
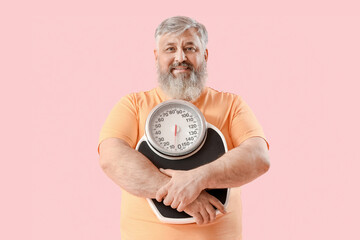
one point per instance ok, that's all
(180, 69)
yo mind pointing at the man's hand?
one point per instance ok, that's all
(183, 188)
(202, 209)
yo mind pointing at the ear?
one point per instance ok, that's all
(155, 54)
(206, 54)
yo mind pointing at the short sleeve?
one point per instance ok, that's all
(244, 124)
(122, 122)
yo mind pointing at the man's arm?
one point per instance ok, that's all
(133, 172)
(129, 169)
(235, 168)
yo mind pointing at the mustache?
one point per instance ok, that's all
(182, 64)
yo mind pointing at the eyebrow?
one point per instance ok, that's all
(190, 43)
(186, 43)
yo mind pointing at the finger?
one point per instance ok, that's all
(161, 193)
(174, 204)
(168, 200)
(198, 218)
(216, 203)
(168, 172)
(211, 211)
(205, 215)
(181, 206)
(184, 202)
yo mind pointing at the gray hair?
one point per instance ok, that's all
(180, 24)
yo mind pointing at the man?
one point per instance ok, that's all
(181, 56)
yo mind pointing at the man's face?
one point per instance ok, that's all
(181, 63)
(184, 48)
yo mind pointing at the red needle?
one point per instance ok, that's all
(175, 134)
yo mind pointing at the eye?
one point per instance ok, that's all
(170, 49)
(190, 49)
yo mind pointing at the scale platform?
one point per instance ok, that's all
(214, 146)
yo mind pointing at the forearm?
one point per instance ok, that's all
(237, 167)
(129, 169)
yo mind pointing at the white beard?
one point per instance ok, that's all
(186, 86)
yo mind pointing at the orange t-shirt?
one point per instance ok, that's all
(226, 111)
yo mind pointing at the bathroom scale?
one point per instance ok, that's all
(178, 137)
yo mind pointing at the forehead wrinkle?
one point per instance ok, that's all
(171, 36)
(181, 42)
(170, 43)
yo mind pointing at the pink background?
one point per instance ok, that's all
(65, 65)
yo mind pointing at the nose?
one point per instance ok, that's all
(180, 56)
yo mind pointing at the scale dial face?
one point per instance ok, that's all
(175, 128)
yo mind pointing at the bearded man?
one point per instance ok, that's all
(181, 56)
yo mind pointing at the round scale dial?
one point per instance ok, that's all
(175, 128)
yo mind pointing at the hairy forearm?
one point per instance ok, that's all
(129, 169)
(237, 167)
